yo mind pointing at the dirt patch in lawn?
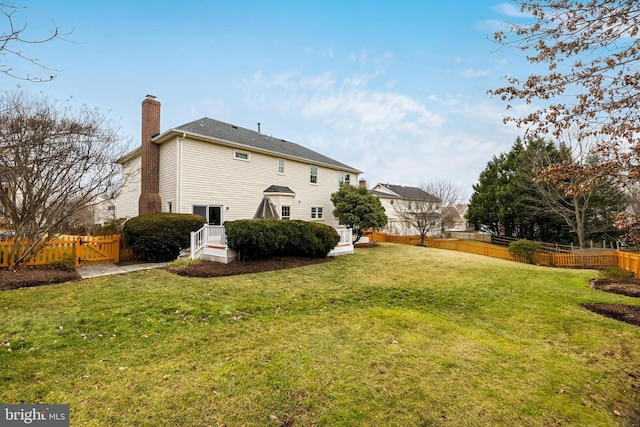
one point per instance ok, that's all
(629, 313)
(28, 277)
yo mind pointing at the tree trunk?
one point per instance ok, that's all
(579, 223)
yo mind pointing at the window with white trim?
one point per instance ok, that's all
(313, 174)
(212, 213)
(241, 155)
(316, 213)
(285, 212)
(281, 166)
(344, 178)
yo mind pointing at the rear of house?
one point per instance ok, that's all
(223, 172)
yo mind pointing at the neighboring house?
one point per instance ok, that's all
(223, 172)
(101, 212)
(398, 198)
(453, 218)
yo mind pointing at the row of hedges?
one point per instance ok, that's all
(265, 238)
(161, 236)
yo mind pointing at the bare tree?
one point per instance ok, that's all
(419, 209)
(562, 185)
(13, 40)
(55, 162)
(450, 196)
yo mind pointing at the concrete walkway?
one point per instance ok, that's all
(109, 269)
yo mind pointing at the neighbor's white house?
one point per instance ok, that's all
(392, 196)
(223, 172)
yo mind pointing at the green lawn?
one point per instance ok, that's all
(395, 335)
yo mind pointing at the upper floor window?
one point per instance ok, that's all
(281, 166)
(344, 178)
(313, 175)
(241, 155)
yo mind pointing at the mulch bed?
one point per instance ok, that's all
(218, 269)
(629, 313)
(28, 277)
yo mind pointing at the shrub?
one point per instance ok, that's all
(265, 238)
(112, 226)
(615, 272)
(161, 236)
(67, 263)
(525, 249)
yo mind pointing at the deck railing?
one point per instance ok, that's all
(215, 236)
(346, 236)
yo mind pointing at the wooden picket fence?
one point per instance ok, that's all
(82, 250)
(626, 260)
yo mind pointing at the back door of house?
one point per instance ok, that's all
(213, 214)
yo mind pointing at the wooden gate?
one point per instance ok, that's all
(97, 249)
(81, 250)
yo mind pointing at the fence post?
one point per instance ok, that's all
(116, 247)
(76, 255)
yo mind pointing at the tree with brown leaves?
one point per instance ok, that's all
(589, 85)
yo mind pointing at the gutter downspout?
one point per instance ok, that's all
(179, 174)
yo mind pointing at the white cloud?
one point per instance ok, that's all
(373, 111)
(471, 73)
(509, 9)
(390, 135)
(492, 25)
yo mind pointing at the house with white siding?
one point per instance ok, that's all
(401, 202)
(223, 172)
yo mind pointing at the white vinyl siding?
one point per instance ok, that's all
(211, 175)
(168, 170)
(127, 201)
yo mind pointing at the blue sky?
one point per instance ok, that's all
(396, 89)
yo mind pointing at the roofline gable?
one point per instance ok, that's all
(404, 192)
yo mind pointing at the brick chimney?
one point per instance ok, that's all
(150, 200)
(362, 183)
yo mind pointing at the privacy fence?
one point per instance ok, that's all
(626, 260)
(79, 250)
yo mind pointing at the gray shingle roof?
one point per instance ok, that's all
(410, 193)
(279, 189)
(236, 135)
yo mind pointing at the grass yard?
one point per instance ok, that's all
(393, 335)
